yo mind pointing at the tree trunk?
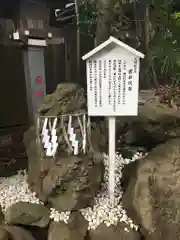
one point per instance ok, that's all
(78, 38)
(150, 63)
(103, 29)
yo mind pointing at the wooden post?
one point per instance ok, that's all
(112, 156)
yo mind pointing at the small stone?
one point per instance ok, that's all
(4, 234)
(76, 229)
(27, 214)
(113, 233)
(61, 231)
(18, 233)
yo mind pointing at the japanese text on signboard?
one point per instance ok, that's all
(111, 81)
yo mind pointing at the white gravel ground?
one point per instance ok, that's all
(15, 189)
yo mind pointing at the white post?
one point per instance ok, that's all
(112, 156)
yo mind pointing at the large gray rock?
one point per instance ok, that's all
(71, 183)
(27, 214)
(153, 192)
(70, 98)
(120, 232)
(67, 98)
(74, 184)
(155, 123)
(40, 166)
(65, 181)
(76, 229)
(16, 233)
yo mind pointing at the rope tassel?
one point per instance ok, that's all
(55, 129)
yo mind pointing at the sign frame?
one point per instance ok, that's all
(112, 50)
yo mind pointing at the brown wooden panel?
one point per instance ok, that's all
(13, 108)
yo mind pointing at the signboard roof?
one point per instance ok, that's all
(108, 42)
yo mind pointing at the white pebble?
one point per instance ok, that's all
(15, 189)
(103, 211)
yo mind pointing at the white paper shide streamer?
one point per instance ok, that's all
(49, 137)
(72, 137)
(45, 134)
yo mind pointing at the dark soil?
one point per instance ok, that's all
(12, 151)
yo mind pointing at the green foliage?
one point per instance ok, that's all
(165, 47)
(164, 25)
(88, 17)
(89, 12)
